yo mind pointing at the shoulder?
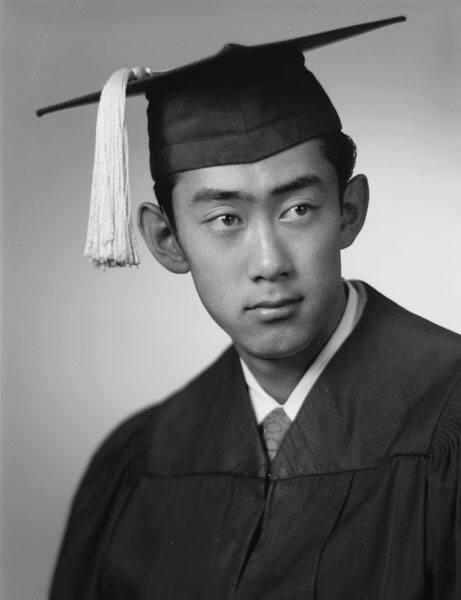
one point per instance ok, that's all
(407, 328)
(117, 461)
(413, 368)
(414, 346)
(161, 428)
(201, 388)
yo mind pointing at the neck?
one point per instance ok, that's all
(279, 376)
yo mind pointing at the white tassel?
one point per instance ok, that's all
(110, 239)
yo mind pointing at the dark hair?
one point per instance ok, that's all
(339, 150)
(163, 190)
(337, 147)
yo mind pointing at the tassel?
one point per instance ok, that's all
(110, 239)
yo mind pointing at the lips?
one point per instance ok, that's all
(274, 303)
(277, 308)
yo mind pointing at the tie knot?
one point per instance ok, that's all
(274, 427)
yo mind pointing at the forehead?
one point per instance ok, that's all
(260, 177)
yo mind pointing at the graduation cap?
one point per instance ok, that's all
(240, 105)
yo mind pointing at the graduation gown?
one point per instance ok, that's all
(362, 501)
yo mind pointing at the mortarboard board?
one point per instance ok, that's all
(240, 105)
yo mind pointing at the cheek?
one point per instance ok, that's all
(319, 254)
(214, 267)
(216, 285)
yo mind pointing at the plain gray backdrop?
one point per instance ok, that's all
(82, 349)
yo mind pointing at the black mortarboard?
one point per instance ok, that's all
(238, 106)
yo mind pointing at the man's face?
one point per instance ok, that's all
(262, 241)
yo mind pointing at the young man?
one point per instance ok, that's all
(319, 456)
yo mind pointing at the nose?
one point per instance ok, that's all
(268, 257)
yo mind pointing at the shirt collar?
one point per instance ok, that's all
(263, 403)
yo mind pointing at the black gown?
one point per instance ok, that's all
(362, 501)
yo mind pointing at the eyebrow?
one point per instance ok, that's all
(302, 182)
(299, 183)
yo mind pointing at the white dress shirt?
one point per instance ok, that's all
(263, 403)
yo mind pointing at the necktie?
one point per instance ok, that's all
(274, 427)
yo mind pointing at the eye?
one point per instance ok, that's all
(225, 221)
(297, 211)
(301, 209)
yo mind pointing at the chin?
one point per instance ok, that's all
(277, 347)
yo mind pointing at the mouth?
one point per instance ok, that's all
(280, 308)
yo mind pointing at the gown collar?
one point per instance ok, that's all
(348, 420)
(262, 403)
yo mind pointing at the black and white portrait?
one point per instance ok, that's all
(230, 300)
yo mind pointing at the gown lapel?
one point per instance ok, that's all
(328, 434)
(209, 428)
(240, 449)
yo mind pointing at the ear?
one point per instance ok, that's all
(354, 209)
(160, 238)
